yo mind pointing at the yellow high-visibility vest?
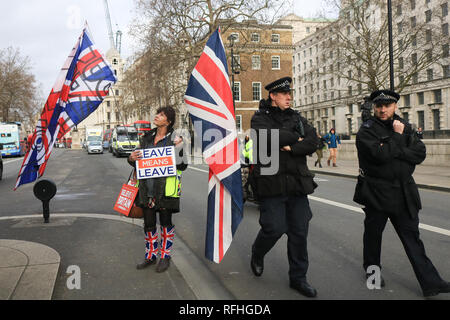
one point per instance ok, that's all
(173, 185)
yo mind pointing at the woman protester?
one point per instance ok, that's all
(159, 194)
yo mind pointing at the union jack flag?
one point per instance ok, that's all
(209, 101)
(82, 83)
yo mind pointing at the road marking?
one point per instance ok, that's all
(199, 278)
(11, 161)
(359, 210)
(197, 169)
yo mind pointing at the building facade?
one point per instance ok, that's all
(262, 53)
(329, 98)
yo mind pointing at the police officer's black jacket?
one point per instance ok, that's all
(387, 161)
(291, 176)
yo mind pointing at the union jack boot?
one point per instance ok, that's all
(151, 249)
(167, 235)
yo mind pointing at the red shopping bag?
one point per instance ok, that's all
(125, 200)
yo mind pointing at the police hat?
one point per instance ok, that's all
(384, 96)
(280, 85)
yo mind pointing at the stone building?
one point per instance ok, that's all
(327, 98)
(262, 53)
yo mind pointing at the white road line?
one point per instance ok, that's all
(11, 161)
(359, 210)
(197, 169)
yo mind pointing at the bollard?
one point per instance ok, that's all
(45, 190)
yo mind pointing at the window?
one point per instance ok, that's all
(399, 10)
(275, 38)
(117, 92)
(414, 40)
(436, 118)
(275, 62)
(308, 29)
(414, 58)
(428, 16)
(444, 8)
(114, 61)
(445, 29)
(429, 55)
(256, 63)
(421, 119)
(415, 77)
(237, 91)
(413, 22)
(406, 100)
(413, 4)
(429, 74)
(400, 63)
(255, 37)
(428, 35)
(437, 96)
(405, 116)
(420, 98)
(256, 91)
(446, 71)
(400, 27)
(239, 122)
(445, 51)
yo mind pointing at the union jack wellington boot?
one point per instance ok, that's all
(167, 235)
(151, 249)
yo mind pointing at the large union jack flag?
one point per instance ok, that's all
(83, 82)
(210, 102)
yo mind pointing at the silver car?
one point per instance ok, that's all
(94, 147)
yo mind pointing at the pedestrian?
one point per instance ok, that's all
(319, 151)
(284, 206)
(388, 151)
(159, 194)
(247, 153)
(419, 133)
(332, 140)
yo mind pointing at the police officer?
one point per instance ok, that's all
(284, 206)
(388, 151)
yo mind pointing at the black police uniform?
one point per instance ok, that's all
(387, 190)
(284, 206)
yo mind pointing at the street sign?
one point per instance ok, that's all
(156, 163)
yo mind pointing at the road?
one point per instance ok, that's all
(90, 184)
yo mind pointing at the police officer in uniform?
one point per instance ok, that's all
(388, 151)
(284, 206)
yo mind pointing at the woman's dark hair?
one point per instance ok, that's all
(170, 114)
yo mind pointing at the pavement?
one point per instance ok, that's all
(93, 256)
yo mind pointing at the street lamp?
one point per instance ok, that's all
(391, 50)
(232, 38)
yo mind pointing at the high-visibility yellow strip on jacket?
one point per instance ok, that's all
(173, 185)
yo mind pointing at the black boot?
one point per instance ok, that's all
(163, 265)
(257, 265)
(304, 288)
(145, 263)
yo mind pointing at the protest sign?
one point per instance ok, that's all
(156, 163)
(125, 199)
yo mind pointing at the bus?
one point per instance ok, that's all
(12, 141)
(142, 126)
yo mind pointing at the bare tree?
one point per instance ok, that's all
(18, 88)
(357, 49)
(173, 34)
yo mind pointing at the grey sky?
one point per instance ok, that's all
(46, 30)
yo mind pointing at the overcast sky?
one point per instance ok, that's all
(46, 30)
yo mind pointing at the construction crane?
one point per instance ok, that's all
(117, 45)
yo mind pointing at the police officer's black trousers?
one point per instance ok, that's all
(290, 215)
(407, 229)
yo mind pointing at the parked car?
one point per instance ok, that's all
(94, 147)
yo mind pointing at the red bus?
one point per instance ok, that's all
(142, 126)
